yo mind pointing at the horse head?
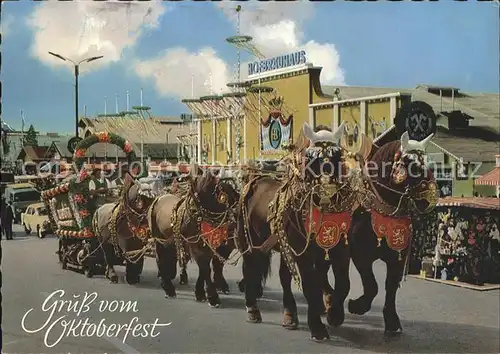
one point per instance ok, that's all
(324, 162)
(213, 191)
(323, 156)
(136, 196)
(402, 168)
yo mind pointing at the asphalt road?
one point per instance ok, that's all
(436, 318)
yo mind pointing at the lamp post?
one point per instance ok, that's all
(77, 72)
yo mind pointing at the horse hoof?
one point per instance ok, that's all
(133, 280)
(290, 321)
(183, 282)
(224, 291)
(170, 293)
(214, 306)
(320, 338)
(335, 317)
(114, 279)
(254, 316)
(393, 333)
(358, 307)
(200, 297)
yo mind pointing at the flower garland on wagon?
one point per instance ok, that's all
(70, 201)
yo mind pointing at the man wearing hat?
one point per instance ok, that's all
(117, 184)
(97, 188)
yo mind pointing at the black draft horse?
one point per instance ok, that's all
(398, 184)
(256, 234)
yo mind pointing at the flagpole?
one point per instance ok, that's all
(22, 127)
(105, 105)
(128, 100)
(141, 96)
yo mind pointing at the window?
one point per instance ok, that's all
(29, 211)
(26, 196)
(42, 211)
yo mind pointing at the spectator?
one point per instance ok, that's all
(7, 220)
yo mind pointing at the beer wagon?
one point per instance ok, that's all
(71, 210)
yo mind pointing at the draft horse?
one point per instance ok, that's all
(203, 220)
(303, 217)
(223, 251)
(123, 229)
(397, 185)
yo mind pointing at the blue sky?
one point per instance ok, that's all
(164, 47)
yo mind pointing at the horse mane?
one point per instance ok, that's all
(202, 183)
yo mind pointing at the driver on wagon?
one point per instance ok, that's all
(97, 187)
(117, 183)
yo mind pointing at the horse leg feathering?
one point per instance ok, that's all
(290, 317)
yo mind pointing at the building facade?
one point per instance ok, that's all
(266, 112)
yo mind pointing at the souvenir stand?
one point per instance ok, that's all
(459, 241)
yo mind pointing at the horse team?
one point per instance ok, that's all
(330, 206)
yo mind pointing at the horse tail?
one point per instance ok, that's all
(242, 223)
(243, 236)
(264, 265)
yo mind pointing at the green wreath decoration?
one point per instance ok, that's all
(79, 156)
(69, 202)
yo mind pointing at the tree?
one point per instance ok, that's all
(31, 137)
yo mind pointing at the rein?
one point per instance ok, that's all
(124, 210)
(406, 202)
(297, 196)
(191, 207)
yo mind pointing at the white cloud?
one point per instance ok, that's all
(276, 29)
(82, 29)
(173, 68)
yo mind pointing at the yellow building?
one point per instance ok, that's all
(267, 111)
(274, 105)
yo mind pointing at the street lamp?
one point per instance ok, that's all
(77, 72)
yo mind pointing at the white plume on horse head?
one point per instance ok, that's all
(408, 145)
(323, 135)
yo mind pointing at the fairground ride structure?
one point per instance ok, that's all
(244, 102)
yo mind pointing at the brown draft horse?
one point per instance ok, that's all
(271, 216)
(203, 220)
(140, 221)
(400, 187)
(122, 229)
(224, 251)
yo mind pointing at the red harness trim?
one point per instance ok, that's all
(396, 230)
(328, 227)
(214, 236)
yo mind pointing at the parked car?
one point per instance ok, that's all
(21, 195)
(36, 217)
